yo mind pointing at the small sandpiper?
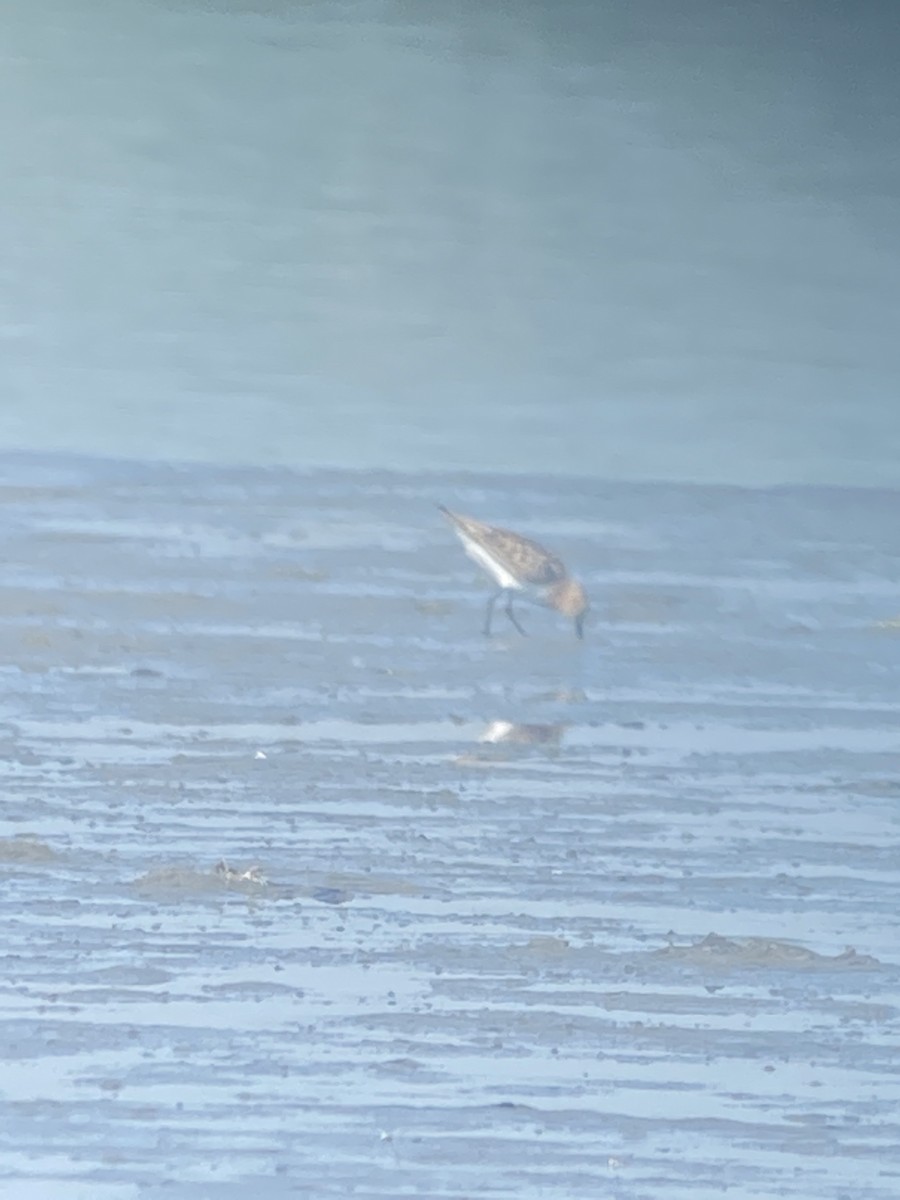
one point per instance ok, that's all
(517, 564)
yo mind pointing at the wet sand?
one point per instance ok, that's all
(309, 889)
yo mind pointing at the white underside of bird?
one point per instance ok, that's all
(496, 570)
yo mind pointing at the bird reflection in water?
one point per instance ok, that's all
(503, 740)
(512, 733)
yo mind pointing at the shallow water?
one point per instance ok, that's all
(539, 918)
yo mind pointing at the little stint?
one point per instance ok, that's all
(517, 564)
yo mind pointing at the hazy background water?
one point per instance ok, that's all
(622, 240)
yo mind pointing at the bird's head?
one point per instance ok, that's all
(569, 598)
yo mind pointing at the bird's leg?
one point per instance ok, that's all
(512, 616)
(489, 615)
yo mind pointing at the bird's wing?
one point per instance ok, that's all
(522, 558)
(528, 560)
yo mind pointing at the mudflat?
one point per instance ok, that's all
(311, 889)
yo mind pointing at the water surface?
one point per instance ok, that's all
(540, 918)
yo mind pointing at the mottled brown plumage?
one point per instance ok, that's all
(527, 561)
(518, 564)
